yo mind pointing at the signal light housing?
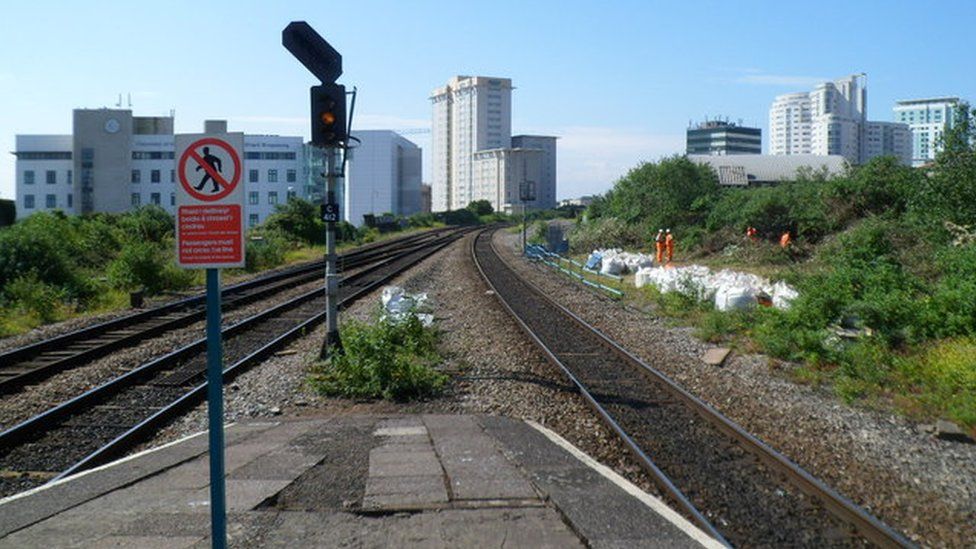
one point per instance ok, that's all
(328, 115)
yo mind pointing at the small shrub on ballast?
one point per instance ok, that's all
(390, 358)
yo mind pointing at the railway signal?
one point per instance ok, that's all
(328, 115)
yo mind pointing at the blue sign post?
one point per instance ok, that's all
(210, 235)
(215, 412)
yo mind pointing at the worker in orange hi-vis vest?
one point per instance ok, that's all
(784, 241)
(669, 244)
(659, 246)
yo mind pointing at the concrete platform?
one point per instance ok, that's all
(406, 481)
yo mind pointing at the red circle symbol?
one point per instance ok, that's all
(224, 187)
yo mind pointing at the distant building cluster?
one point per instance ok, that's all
(829, 121)
(475, 156)
(114, 162)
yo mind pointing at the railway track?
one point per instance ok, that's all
(35, 362)
(733, 485)
(103, 423)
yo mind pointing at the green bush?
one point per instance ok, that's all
(45, 245)
(298, 221)
(385, 359)
(143, 265)
(481, 207)
(265, 249)
(28, 295)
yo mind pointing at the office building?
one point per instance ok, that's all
(888, 139)
(927, 119)
(114, 161)
(383, 175)
(504, 176)
(546, 186)
(830, 120)
(720, 137)
(470, 113)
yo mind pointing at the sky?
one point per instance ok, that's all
(617, 81)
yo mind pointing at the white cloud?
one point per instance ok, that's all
(758, 78)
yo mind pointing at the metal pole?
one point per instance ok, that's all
(215, 412)
(331, 277)
(523, 226)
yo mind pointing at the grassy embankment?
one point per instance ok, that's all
(886, 251)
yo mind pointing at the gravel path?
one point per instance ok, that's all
(924, 486)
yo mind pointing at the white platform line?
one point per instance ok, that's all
(653, 502)
(101, 467)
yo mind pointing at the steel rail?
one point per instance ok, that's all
(187, 311)
(841, 507)
(29, 429)
(643, 459)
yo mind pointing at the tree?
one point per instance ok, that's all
(671, 193)
(481, 207)
(949, 191)
(299, 220)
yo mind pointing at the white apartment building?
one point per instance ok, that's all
(114, 162)
(831, 120)
(470, 113)
(888, 139)
(383, 175)
(789, 124)
(500, 173)
(546, 187)
(927, 119)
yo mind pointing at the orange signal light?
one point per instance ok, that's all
(328, 118)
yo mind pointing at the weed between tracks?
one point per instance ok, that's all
(387, 358)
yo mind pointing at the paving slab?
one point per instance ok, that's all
(405, 481)
(475, 468)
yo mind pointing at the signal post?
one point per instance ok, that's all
(329, 132)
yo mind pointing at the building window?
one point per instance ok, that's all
(252, 198)
(272, 197)
(154, 176)
(29, 201)
(51, 177)
(272, 176)
(51, 201)
(136, 199)
(136, 176)
(252, 176)
(290, 176)
(252, 220)
(154, 199)
(172, 199)
(29, 178)
(69, 178)
(172, 176)
(291, 193)
(71, 199)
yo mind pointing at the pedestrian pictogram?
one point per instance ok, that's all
(210, 201)
(209, 169)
